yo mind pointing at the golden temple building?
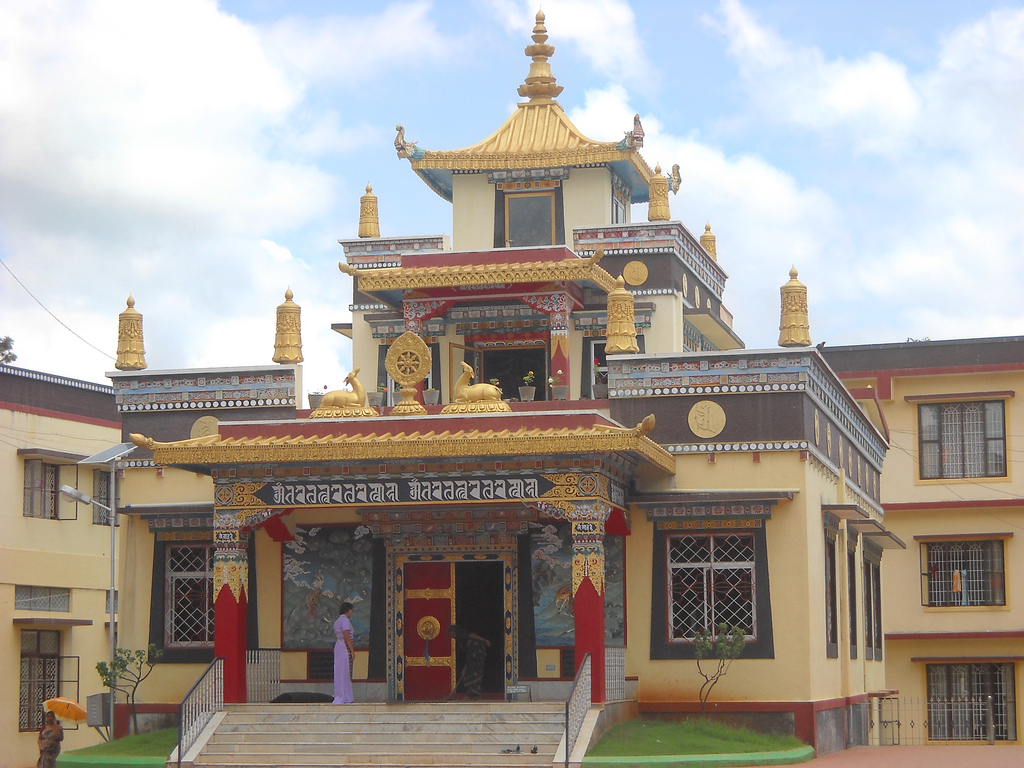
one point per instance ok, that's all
(551, 436)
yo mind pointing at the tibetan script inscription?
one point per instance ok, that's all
(288, 493)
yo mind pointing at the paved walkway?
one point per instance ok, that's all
(987, 756)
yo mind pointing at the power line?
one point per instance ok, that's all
(45, 309)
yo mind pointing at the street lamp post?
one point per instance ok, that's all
(73, 493)
(106, 458)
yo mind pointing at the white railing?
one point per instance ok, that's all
(577, 706)
(262, 675)
(203, 700)
(614, 673)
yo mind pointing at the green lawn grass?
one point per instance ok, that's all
(638, 738)
(152, 744)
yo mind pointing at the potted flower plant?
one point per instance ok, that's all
(559, 391)
(376, 399)
(528, 391)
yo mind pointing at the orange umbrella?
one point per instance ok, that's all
(66, 709)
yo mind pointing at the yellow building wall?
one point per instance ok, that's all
(69, 554)
(587, 199)
(801, 670)
(472, 212)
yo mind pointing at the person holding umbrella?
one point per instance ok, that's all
(50, 738)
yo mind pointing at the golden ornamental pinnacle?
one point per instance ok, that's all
(794, 327)
(620, 337)
(540, 84)
(369, 221)
(131, 353)
(707, 242)
(288, 339)
(657, 208)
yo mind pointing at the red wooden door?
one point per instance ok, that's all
(429, 607)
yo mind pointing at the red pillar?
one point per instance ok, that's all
(230, 582)
(588, 600)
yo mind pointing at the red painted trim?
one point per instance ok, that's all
(277, 530)
(6, 406)
(962, 659)
(903, 373)
(909, 506)
(963, 536)
(589, 627)
(961, 396)
(1004, 634)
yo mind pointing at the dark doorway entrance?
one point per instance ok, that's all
(510, 364)
(480, 608)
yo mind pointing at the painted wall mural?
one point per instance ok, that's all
(551, 546)
(323, 567)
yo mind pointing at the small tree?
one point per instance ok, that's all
(7, 350)
(127, 672)
(723, 646)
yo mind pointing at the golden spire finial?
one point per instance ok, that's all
(131, 353)
(707, 241)
(288, 339)
(657, 206)
(794, 326)
(369, 222)
(540, 84)
(620, 335)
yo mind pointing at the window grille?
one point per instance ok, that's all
(958, 698)
(963, 573)
(851, 583)
(101, 494)
(40, 675)
(188, 596)
(29, 598)
(711, 581)
(962, 440)
(41, 489)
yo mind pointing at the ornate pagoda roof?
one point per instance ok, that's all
(539, 266)
(398, 438)
(538, 135)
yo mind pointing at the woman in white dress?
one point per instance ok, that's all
(343, 653)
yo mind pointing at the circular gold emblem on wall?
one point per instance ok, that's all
(706, 419)
(204, 426)
(428, 627)
(635, 273)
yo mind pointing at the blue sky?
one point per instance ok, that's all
(205, 157)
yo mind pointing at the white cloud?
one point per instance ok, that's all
(872, 98)
(353, 51)
(603, 31)
(278, 252)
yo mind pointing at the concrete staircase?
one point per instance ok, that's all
(457, 735)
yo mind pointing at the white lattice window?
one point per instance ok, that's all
(711, 581)
(40, 675)
(958, 701)
(963, 573)
(41, 489)
(30, 598)
(962, 440)
(188, 596)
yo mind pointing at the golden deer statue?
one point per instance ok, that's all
(468, 393)
(343, 398)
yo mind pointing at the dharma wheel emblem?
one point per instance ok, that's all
(408, 363)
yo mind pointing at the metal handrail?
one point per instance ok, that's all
(576, 707)
(203, 700)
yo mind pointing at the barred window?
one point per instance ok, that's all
(963, 573)
(851, 586)
(711, 581)
(29, 598)
(872, 609)
(101, 494)
(188, 596)
(958, 696)
(41, 489)
(40, 675)
(962, 440)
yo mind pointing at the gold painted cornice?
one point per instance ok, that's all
(374, 445)
(450, 276)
